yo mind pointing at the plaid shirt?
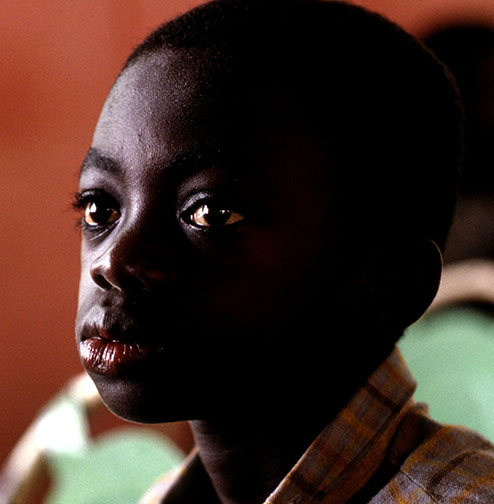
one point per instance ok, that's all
(382, 448)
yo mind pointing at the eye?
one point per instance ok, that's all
(96, 214)
(97, 209)
(210, 215)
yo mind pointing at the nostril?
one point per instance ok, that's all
(123, 266)
(101, 281)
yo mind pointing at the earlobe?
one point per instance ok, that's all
(427, 264)
(406, 280)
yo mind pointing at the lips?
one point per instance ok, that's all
(112, 352)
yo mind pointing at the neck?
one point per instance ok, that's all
(247, 455)
(246, 459)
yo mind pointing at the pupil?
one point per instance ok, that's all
(216, 217)
(99, 214)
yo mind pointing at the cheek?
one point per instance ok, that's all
(266, 280)
(86, 290)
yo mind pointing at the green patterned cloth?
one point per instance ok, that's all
(115, 468)
(451, 354)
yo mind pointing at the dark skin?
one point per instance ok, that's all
(202, 242)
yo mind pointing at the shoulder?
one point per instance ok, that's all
(187, 483)
(159, 489)
(454, 464)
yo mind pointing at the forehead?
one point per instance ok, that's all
(156, 95)
(168, 104)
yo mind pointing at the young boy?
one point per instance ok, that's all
(264, 202)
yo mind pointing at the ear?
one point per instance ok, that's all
(405, 279)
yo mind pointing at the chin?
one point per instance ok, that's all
(137, 401)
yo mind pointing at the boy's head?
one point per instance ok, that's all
(371, 94)
(266, 180)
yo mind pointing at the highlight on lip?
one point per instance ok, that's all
(109, 357)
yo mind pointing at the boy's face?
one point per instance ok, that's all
(208, 258)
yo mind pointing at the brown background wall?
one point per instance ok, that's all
(57, 62)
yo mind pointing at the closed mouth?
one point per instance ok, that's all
(107, 350)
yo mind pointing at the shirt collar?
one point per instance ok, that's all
(349, 450)
(342, 459)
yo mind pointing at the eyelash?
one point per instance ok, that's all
(80, 203)
(199, 208)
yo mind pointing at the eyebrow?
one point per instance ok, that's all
(187, 162)
(94, 159)
(181, 166)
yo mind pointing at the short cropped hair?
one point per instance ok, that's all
(385, 108)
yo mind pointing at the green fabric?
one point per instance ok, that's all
(116, 468)
(63, 426)
(451, 354)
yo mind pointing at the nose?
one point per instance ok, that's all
(131, 262)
